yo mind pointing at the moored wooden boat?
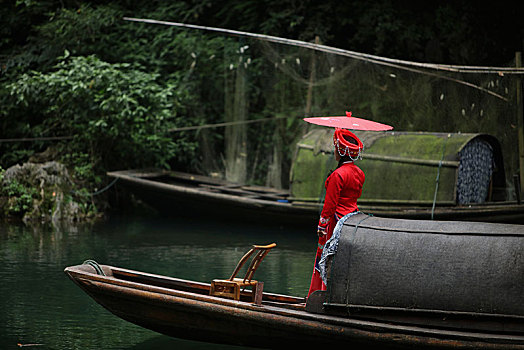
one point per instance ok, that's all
(176, 193)
(393, 284)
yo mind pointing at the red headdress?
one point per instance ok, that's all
(347, 144)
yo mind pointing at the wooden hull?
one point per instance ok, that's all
(186, 194)
(173, 193)
(183, 309)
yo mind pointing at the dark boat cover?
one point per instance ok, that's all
(458, 267)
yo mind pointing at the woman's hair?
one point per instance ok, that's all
(344, 159)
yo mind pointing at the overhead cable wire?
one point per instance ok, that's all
(238, 122)
(342, 52)
(34, 139)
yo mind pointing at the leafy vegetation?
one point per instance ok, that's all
(103, 107)
(21, 197)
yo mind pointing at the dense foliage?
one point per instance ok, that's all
(114, 112)
(114, 89)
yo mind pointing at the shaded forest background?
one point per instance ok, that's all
(109, 92)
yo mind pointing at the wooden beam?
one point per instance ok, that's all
(520, 123)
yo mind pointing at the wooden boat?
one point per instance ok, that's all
(178, 193)
(392, 284)
(410, 175)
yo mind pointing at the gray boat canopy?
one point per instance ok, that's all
(449, 273)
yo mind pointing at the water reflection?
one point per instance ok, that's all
(163, 342)
(40, 305)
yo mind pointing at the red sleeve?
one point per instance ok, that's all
(334, 186)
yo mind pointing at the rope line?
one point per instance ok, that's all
(32, 139)
(97, 192)
(438, 177)
(218, 125)
(96, 266)
(184, 128)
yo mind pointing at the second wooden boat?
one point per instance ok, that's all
(178, 193)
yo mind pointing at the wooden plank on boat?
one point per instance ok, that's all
(268, 190)
(197, 178)
(242, 192)
(140, 173)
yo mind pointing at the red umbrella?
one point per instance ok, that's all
(348, 122)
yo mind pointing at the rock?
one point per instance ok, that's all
(40, 192)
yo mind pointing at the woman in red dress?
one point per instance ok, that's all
(343, 188)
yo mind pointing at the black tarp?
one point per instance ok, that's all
(454, 266)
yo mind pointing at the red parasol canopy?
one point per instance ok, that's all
(348, 122)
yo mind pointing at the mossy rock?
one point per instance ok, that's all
(39, 192)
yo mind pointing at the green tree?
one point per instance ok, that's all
(117, 114)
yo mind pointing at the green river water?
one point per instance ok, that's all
(40, 308)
